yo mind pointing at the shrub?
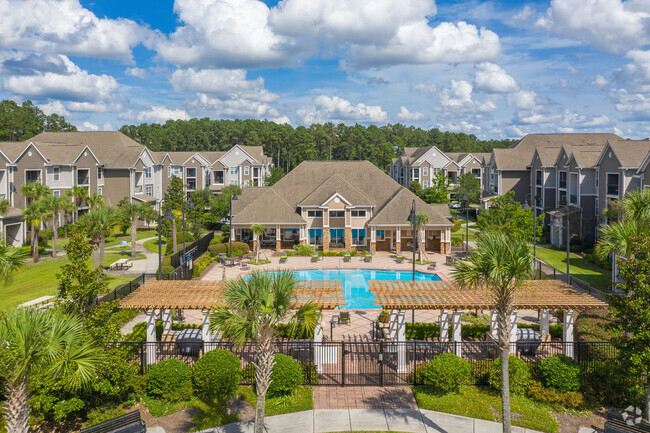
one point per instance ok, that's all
(557, 400)
(309, 373)
(287, 331)
(225, 228)
(456, 226)
(200, 265)
(170, 380)
(417, 377)
(518, 371)
(560, 373)
(238, 249)
(446, 372)
(218, 239)
(475, 330)
(216, 249)
(456, 241)
(481, 371)
(286, 376)
(248, 374)
(101, 414)
(611, 384)
(302, 250)
(216, 374)
(422, 331)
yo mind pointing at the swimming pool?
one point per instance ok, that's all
(355, 282)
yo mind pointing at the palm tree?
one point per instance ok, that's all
(253, 309)
(36, 340)
(95, 200)
(4, 206)
(34, 191)
(421, 221)
(258, 230)
(99, 223)
(78, 194)
(56, 204)
(500, 265)
(11, 259)
(35, 213)
(134, 212)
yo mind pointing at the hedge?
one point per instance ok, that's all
(422, 331)
(200, 265)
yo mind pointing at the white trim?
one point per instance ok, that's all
(336, 194)
(25, 150)
(82, 152)
(197, 156)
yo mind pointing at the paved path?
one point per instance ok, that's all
(345, 420)
(363, 397)
(148, 265)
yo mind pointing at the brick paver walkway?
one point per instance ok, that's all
(363, 397)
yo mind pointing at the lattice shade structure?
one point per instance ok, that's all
(438, 295)
(203, 295)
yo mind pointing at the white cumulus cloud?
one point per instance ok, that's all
(600, 81)
(136, 72)
(55, 107)
(160, 114)
(406, 116)
(222, 83)
(491, 78)
(237, 107)
(87, 126)
(327, 108)
(462, 126)
(459, 98)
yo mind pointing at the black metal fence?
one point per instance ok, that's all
(370, 363)
(122, 291)
(196, 248)
(545, 271)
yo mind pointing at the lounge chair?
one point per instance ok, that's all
(314, 256)
(344, 317)
(283, 257)
(399, 258)
(432, 266)
(347, 256)
(367, 258)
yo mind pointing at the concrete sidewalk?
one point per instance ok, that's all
(345, 420)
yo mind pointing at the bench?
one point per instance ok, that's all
(616, 423)
(121, 265)
(129, 423)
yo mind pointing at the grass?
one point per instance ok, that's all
(36, 280)
(579, 267)
(462, 233)
(420, 262)
(152, 245)
(475, 402)
(158, 407)
(300, 400)
(259, 262)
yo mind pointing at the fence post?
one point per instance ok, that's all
(381, 363)
(142, 360)
(342, 363)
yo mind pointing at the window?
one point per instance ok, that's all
(234, 170)
(206, 177)
(234, 182)
(315, 214)
(562, 200)
(436, 170)
(337, 213)
(597, 176)
(612, 183)
(416, 173)
(596, 207)
(563, 179)
(32, 176)
(100, 172)
(358, 213)
(379, 234)
(191, 183)
(538, 178)
(148, 190)
(315, 236)
(174, 171)
(147, 172)
(218, 177)
(246, 170)
(100, 191)
(337, 236)
(358, 237)
(56, 174)
(169, 171)
(56, 193)
(425, 171)
(82, 177)
(425, 184)
(190, 171)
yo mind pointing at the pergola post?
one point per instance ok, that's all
(318, 344)
(544, 328)
(398, 335)
(444, 326)
(167, 321)
(206, 335)
(398, 239)
(151, 337)
(513, 332)
(494, 325)
(457, 334)
(568, 333)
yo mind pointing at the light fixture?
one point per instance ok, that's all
(525, 206)
(168, 215)
(190, 204)
(234, 197)
(557, 223)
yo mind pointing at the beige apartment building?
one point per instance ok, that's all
(114, 166)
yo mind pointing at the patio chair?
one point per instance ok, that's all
(432, 266)
(243, 265)
(368, 258)
(222, 258)
(363, 256)
(344, 317)
(399, 258)
(346, 256)
(314, 256)
(283, 257)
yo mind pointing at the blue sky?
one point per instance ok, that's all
(491, 68)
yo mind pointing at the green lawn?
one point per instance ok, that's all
(579, 267)
(36, 280)
(114, 239)
(476, 402)
(152, 245)
(462, 233)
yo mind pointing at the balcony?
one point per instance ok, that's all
(612, 189)
(562, 184)
(83, 180)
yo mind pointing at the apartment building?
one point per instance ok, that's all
(114, 166)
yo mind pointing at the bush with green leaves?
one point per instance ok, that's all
(560, 373)
(446, 372)
(518, 371)
(170, 380)
(309, 373)
(456, 241)
(216, 374)
(556, 399)
(286, 375)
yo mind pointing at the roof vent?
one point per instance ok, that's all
(29, 153)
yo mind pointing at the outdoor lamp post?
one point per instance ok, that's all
(190, 205)
(168, 216)
(557, 223)
(525, 206)
(413, 219)
(466, 200)
(232, 197)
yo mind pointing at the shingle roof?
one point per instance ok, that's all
(336, 184)
(247, 196)
(532, 141)
(585, 156)
(111, 147)
(398, 208)
(12, 149)
(631, 152)
(268, 208)
(548, 155)
(512, 159)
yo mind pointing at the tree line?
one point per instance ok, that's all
(21, 122)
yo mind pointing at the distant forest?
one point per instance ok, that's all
(288, 146)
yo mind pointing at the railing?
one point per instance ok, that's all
(545, 271)
(122, 291)
(198, 247)
(371, 363)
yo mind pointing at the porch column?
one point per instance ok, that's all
(398, 335)
(167, 321)
(544, 323)
(398, 239)
(494, 325)
(373, 240)
(151, 357)
(568, 333)
(326, 238)
(513, 332)
(318, 340)
(457, 334)
(206, 335)
(444, 326)
(278, 238)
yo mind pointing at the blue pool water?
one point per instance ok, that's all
(355, 282)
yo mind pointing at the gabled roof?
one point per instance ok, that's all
(11, 149)
(397, 209)
(248, 195)
(531, 141)
(585, 156)
(268, 208)
(547, 155)
(335, 184)
(512, 159)
(644, 164)
(629, 152)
